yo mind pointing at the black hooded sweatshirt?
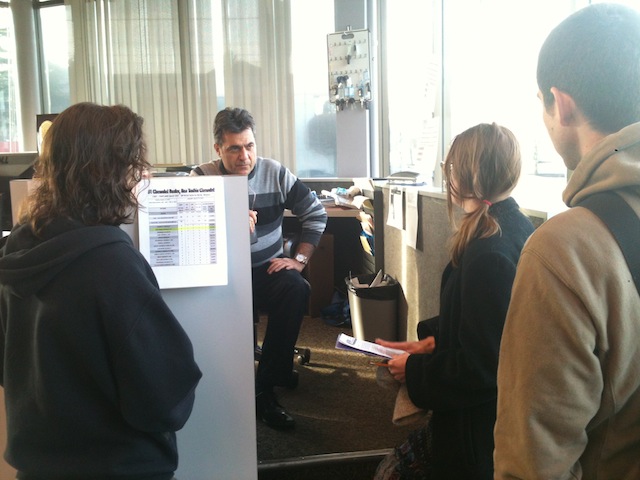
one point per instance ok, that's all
(98, 373)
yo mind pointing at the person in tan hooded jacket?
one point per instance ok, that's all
(569, 368)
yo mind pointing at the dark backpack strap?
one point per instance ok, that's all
(198, 170)
(623, 223)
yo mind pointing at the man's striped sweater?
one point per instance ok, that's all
(276, 190)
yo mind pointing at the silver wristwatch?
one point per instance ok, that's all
(303, 259)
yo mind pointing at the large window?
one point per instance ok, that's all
(176, 63)
(489, 49)
(411, 77)
(443, 69)
(315, 115)
(491, 55)
(9, 133)
(54, 64)
(486, 73)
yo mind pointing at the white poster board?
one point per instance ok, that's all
(219, 439)
(182, 230)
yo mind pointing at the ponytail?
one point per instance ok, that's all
(482, 164)
(477, 224)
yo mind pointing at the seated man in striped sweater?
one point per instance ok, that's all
(278, 286)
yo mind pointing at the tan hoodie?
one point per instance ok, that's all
(569, 370)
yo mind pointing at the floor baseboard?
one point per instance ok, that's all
(334, 466)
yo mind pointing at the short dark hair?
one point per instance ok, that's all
(233, 120)
(92, 158)
(594, 56)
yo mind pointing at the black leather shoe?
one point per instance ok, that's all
(272, 413)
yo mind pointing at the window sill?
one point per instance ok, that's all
(538, 197)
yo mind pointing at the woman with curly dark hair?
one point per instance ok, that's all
(97, 372)
(92, 160)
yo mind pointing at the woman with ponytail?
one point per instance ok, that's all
(451, 371)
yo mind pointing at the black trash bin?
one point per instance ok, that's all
(373, 309)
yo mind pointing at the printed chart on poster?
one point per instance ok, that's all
(182, 230)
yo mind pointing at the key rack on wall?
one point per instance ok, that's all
(349, 69)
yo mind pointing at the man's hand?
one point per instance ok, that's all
(287, 263)
(253, 219)
(278, 264)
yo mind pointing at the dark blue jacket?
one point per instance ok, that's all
(97, 372)
(459, 380)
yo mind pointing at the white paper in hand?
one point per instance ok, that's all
(346, 342)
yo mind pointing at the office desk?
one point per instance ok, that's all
(333, 212)
(349, 258)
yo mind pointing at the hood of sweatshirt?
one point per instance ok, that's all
(28, 263)
(613, 164)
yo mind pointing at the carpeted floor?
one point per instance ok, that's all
(338, 406)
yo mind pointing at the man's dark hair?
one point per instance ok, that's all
(594, 56)
(232, 120)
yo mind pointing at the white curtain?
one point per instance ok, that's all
(177, 62)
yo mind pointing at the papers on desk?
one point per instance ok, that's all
(351, 200)
(326, 200)
(351, 344)
(348, 198)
